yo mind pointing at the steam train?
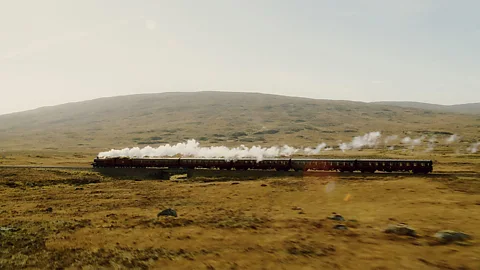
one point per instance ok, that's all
(279, 164)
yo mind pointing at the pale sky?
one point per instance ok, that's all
(53, 52)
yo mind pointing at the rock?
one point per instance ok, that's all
(340, 227)
(401, 229)
(235, 183)
(448, 236)
(49, 210)
(79, 188)
(168, 212)
(336, 216)
(296, 208)
(263, 185)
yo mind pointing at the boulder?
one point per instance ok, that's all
(340, 227)
(447, 236)
(168, 212)
(401, 229)
(336, 216)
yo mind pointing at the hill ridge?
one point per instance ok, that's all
(216, 117)
(407, 104)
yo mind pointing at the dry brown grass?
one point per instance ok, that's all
(80, 219)
(100, 222)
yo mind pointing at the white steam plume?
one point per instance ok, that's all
(390, 138)
(412, 142)
(192, 148)
(316, 150)
(452, 139)
(431, 144)
(368, 140)
(474, 148)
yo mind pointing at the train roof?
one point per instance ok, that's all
(279, 159)
(398, 160)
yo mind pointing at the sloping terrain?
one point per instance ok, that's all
(216, 118)
(470, 108)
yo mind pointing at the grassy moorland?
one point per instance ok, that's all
(77, 219)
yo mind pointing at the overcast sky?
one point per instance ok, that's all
(53, 52)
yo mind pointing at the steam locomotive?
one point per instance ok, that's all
(279, 164)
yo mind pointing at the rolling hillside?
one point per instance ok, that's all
(217, 118)
(469, 108)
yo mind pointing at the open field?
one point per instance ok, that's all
(79, 219)
(73, 219)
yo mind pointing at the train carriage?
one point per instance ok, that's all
(280, 164)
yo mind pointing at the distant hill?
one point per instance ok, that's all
(469, 108)
(216, 118)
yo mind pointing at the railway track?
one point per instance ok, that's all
(306, 173)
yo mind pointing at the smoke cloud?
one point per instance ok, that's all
(431, 144)
(411, 143)
(452, 139)
(368, 140)
(390, 139)
(192, 148)
(314, 151)
(474, 148)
